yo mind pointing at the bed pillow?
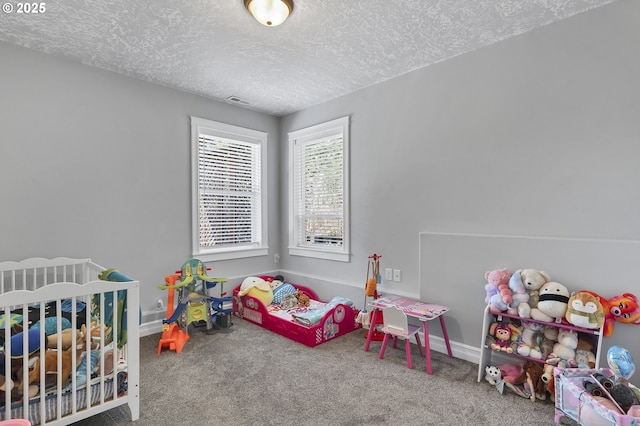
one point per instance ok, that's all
(281, 291)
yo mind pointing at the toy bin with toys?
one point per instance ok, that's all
(589, 407)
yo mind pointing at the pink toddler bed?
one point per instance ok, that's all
(311, 325)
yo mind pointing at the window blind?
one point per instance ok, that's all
(229, 192)
(320, 193)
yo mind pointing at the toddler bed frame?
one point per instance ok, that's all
(338, 320)
(44, 304)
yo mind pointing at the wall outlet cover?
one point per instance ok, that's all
(388, 274)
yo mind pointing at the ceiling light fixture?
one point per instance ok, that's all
(269, 12)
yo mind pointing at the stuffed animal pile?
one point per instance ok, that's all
(525, 380)
(12, 376)
(530, 298)
(274, 290)
(530, 293)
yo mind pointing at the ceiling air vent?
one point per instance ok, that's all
(237, 100)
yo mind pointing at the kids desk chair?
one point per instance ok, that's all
(397, 325)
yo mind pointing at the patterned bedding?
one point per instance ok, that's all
(311, 325)
(308, 315)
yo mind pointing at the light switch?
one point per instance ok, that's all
(388, 274)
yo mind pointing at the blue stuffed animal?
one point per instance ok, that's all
(81, 373)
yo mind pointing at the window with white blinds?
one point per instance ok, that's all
(228, 196)
(319, 191)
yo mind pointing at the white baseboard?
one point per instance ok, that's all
(151, 327)
(458, 350)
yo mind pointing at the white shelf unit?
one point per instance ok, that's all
(594, 335)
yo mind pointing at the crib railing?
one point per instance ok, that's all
(44, 304)
(33, 273)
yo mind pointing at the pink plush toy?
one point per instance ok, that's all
(497, 288)
(510, 372)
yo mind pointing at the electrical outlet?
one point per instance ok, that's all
(388, 274)
(276, 258)
(397, 276)
(160, 304)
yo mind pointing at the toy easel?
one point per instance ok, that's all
(371, 290)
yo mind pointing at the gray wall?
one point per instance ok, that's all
(452, 267)
(95, 164)
(534, 136)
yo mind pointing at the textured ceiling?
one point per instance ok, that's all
(326, 49)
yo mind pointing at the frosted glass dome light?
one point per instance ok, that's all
(269, 12)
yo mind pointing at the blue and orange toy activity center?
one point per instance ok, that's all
(194, 304)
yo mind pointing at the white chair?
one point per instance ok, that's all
(397, 325)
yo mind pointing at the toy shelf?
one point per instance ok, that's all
(594, 335)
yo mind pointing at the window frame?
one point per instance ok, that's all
(201, 126)
(329, 129)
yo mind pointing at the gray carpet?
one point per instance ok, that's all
(253, 377)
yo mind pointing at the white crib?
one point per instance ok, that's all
(50, 299)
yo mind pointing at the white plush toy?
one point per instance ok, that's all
(553, 301)
(564, 351)
(532, 280)
(494, 376)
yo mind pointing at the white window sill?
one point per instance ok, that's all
(231, 254)
(319, 254)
